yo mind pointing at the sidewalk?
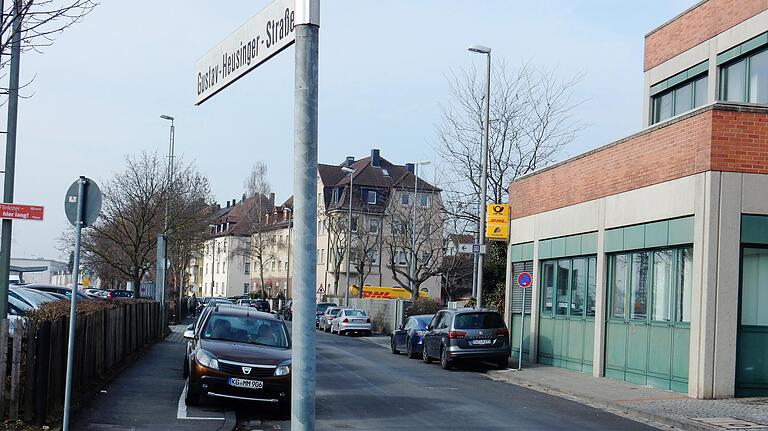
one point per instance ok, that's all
(146, 396)
(662, 407)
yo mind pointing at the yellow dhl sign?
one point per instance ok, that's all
(497, 221)
(380, 292)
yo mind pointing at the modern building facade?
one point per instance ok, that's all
(650, 254)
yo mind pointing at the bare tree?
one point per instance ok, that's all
(415, 252)
(261, 249)
(40, 22)
(123, 240)
(336, 224)
(531, 120)
(365, 246)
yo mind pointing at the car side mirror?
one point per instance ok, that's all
(189, 334)
(190, 327)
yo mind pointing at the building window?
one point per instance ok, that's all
(206, 269)
(404, 198)
(322, 256)
(424, 200)
(425, 255)
(245, 288)
(651, 286)
(224, 266)
(335, 195)
(247, 269)
(547, 286)
(273, 265)
(373, 226)
(353, 224)
(401, 258)
(280, 242)
(373, 257)
(217, 267)
(569, 287)
(682, 98)
(371, 197)
(746, 79)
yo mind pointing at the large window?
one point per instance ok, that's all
(569, 287)
(651, 285)
(682, 98)
(754, 293)
(746, 79)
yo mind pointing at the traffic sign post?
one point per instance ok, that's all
(472, 248)
(524, 280)
(82, 206)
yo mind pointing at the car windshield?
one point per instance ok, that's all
(477, 321)
(246, 329)
(355, 313)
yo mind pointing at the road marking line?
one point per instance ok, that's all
(181, 412)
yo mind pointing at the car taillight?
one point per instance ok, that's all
(109, 295)
(345, 320)
(456, 334)
(420, 333)
(502, 333)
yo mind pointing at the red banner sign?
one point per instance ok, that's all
(21, 212)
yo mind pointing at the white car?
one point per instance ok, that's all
(352, 320)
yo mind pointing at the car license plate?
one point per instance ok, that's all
(244, 383)
(358, 320)
(479, 342)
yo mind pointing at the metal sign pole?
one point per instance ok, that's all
(522, 334)
(305, 215)
(73, 304)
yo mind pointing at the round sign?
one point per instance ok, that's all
(91, 202)
(524, 279)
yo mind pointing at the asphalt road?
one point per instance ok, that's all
(362, 386)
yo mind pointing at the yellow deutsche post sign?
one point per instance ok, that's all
(497, 221)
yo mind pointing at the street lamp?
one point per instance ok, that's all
(351, 173)
(163, 276)
(480, 49)
(413, 233)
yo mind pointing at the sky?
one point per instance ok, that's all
(98, 91)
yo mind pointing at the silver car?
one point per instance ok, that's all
(352, 320)
(327, 318)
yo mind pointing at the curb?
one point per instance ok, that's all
(230, 421)
(613, 407)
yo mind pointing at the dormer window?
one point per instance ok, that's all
(335, 195)
(371, 197)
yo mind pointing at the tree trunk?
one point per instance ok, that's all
(137, 286)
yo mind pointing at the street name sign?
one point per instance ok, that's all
(21, 212)
(497, 221)
(262, 37)
(472, 248)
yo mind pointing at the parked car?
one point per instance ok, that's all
(320, 310)
(63, 290)
(240, 354)
(95, 293)
(119, 294)
(195, 328)
(31, 297)
(259, 304)
(352, 320)
(217, 301)
(328, 316)
(410, 335)
(467, 333)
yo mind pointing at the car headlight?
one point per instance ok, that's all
(283, 370)
(206, 359)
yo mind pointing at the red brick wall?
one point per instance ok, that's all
(712, 139)
(696, 26)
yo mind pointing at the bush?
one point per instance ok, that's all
(54, 310)
(424, 306)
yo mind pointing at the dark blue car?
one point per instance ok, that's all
(410, 335)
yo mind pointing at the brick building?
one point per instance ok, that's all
(650, 254)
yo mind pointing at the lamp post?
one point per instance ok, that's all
(351, 173)
(413, 232)
(162, 243)
(484, 170)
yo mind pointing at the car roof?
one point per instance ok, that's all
(471, 310)
(238, 310)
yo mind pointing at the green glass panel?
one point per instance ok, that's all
(589, 243)
(575, 340)
(656, 234)
(754, 229)
(679, 387)
(560, 339)
(634, 237)
(558, 247)
(517, 253)
(658, 382)
(573, 245)
(614, 240)
(753, 43)
(614, 374)
(636, 378)
(615, 346)
(637, 348)
(680, 349)
(546, 334)
(527, 251)
(752, 368)
(660, 351)
(728, 55)
(545, 249)
(681, 231)
(589, 343)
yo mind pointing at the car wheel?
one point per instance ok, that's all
(503, 363)
(192, 398)
(409, 349)
(339, 332)
(445, 360)
(425, 356)
(327, 328)
(392, 346)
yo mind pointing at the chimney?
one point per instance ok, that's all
(228, 203)
(375, 158)
(409, 167)
(243, 196)
(350, 160)
(234, 201)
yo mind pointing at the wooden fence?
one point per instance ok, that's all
(33, 357)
